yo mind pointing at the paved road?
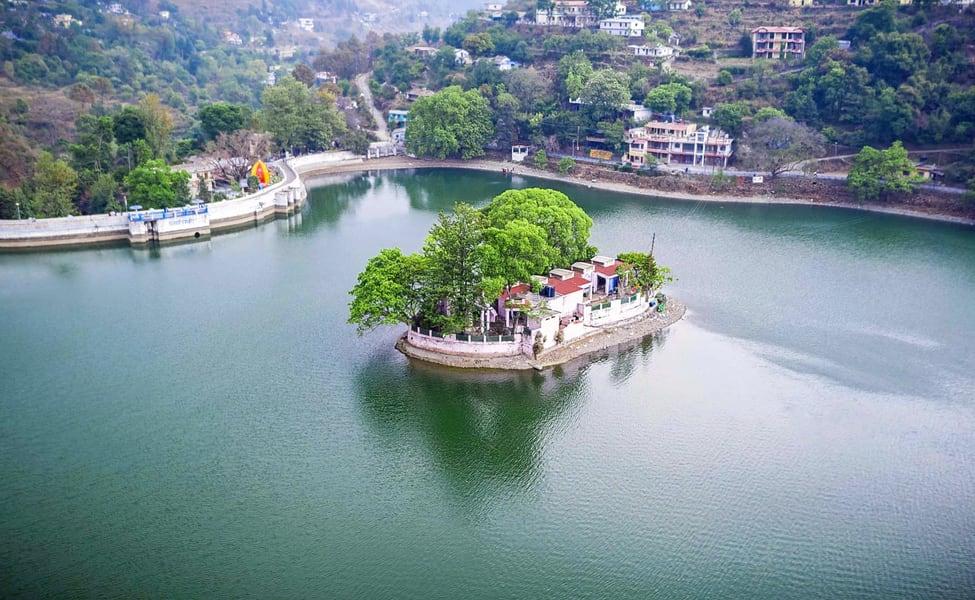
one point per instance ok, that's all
(710, 170)
(362, 82)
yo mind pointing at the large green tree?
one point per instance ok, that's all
(455, 260)
(669, 98)
(388, 291)
(894, 57)
(223, 117)
(159, 125)
(515, 251)
(94, 148)
(449, 124)
(574, 71)
(52, 188)
(299, 119)
(566, 226)
(877, 173)
(605, 94)
(153, 184)
(730, 116)
(506, 108)
(640, 270)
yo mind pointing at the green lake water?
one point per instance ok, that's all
(198, 421)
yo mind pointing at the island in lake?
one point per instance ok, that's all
(474, 296)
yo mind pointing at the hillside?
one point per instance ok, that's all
(336, 19)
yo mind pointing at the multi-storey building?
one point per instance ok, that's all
(572, 13)
(783, 43)
(624, 26)
(678, 143)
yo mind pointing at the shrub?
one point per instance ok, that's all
(539, 344)
(566, 165)
(540, 159)
(724, 77)
(721, 181)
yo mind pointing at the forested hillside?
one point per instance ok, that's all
(92, 91)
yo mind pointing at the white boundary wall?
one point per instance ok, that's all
(450, 345)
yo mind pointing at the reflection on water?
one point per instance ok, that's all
(483, 430)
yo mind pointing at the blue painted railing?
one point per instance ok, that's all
(166, 213)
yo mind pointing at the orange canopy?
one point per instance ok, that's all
(262, 173)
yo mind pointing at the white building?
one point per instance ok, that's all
(234, 39)
(326, 77)
(519, 153)
(571, 303)
(164, 15)
(494, 10)
(462, 57)
(504, 63)
(572, 14)
(675, 5)
(116, 8)
(284, 52)
(306, 24)
(638, 112)
(399, 136)
(65, 21)
(656, 51)
(678, 143)
(623, 26)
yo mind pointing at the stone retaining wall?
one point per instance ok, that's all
(449, 344)
(280, 198)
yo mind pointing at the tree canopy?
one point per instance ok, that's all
(154, 185)
(388, 291)
(470, 256)
(449, 124)
(878, 173)
(669, 98)
(298, 118)
(779, 144)
(640, 270)
(566, 226)
(223, 117)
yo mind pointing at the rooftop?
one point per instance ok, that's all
(563, 287)
(777, 30)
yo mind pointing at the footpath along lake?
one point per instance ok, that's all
(200, 421)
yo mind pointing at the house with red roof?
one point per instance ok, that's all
(578, 296)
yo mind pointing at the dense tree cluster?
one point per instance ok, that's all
(450, 124)
(471, 256)
(895, 85)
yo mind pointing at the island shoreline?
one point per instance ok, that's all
(628, 332)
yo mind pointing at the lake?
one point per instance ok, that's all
(200, 421)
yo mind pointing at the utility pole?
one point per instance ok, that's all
(653, 242)
(18, 211)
